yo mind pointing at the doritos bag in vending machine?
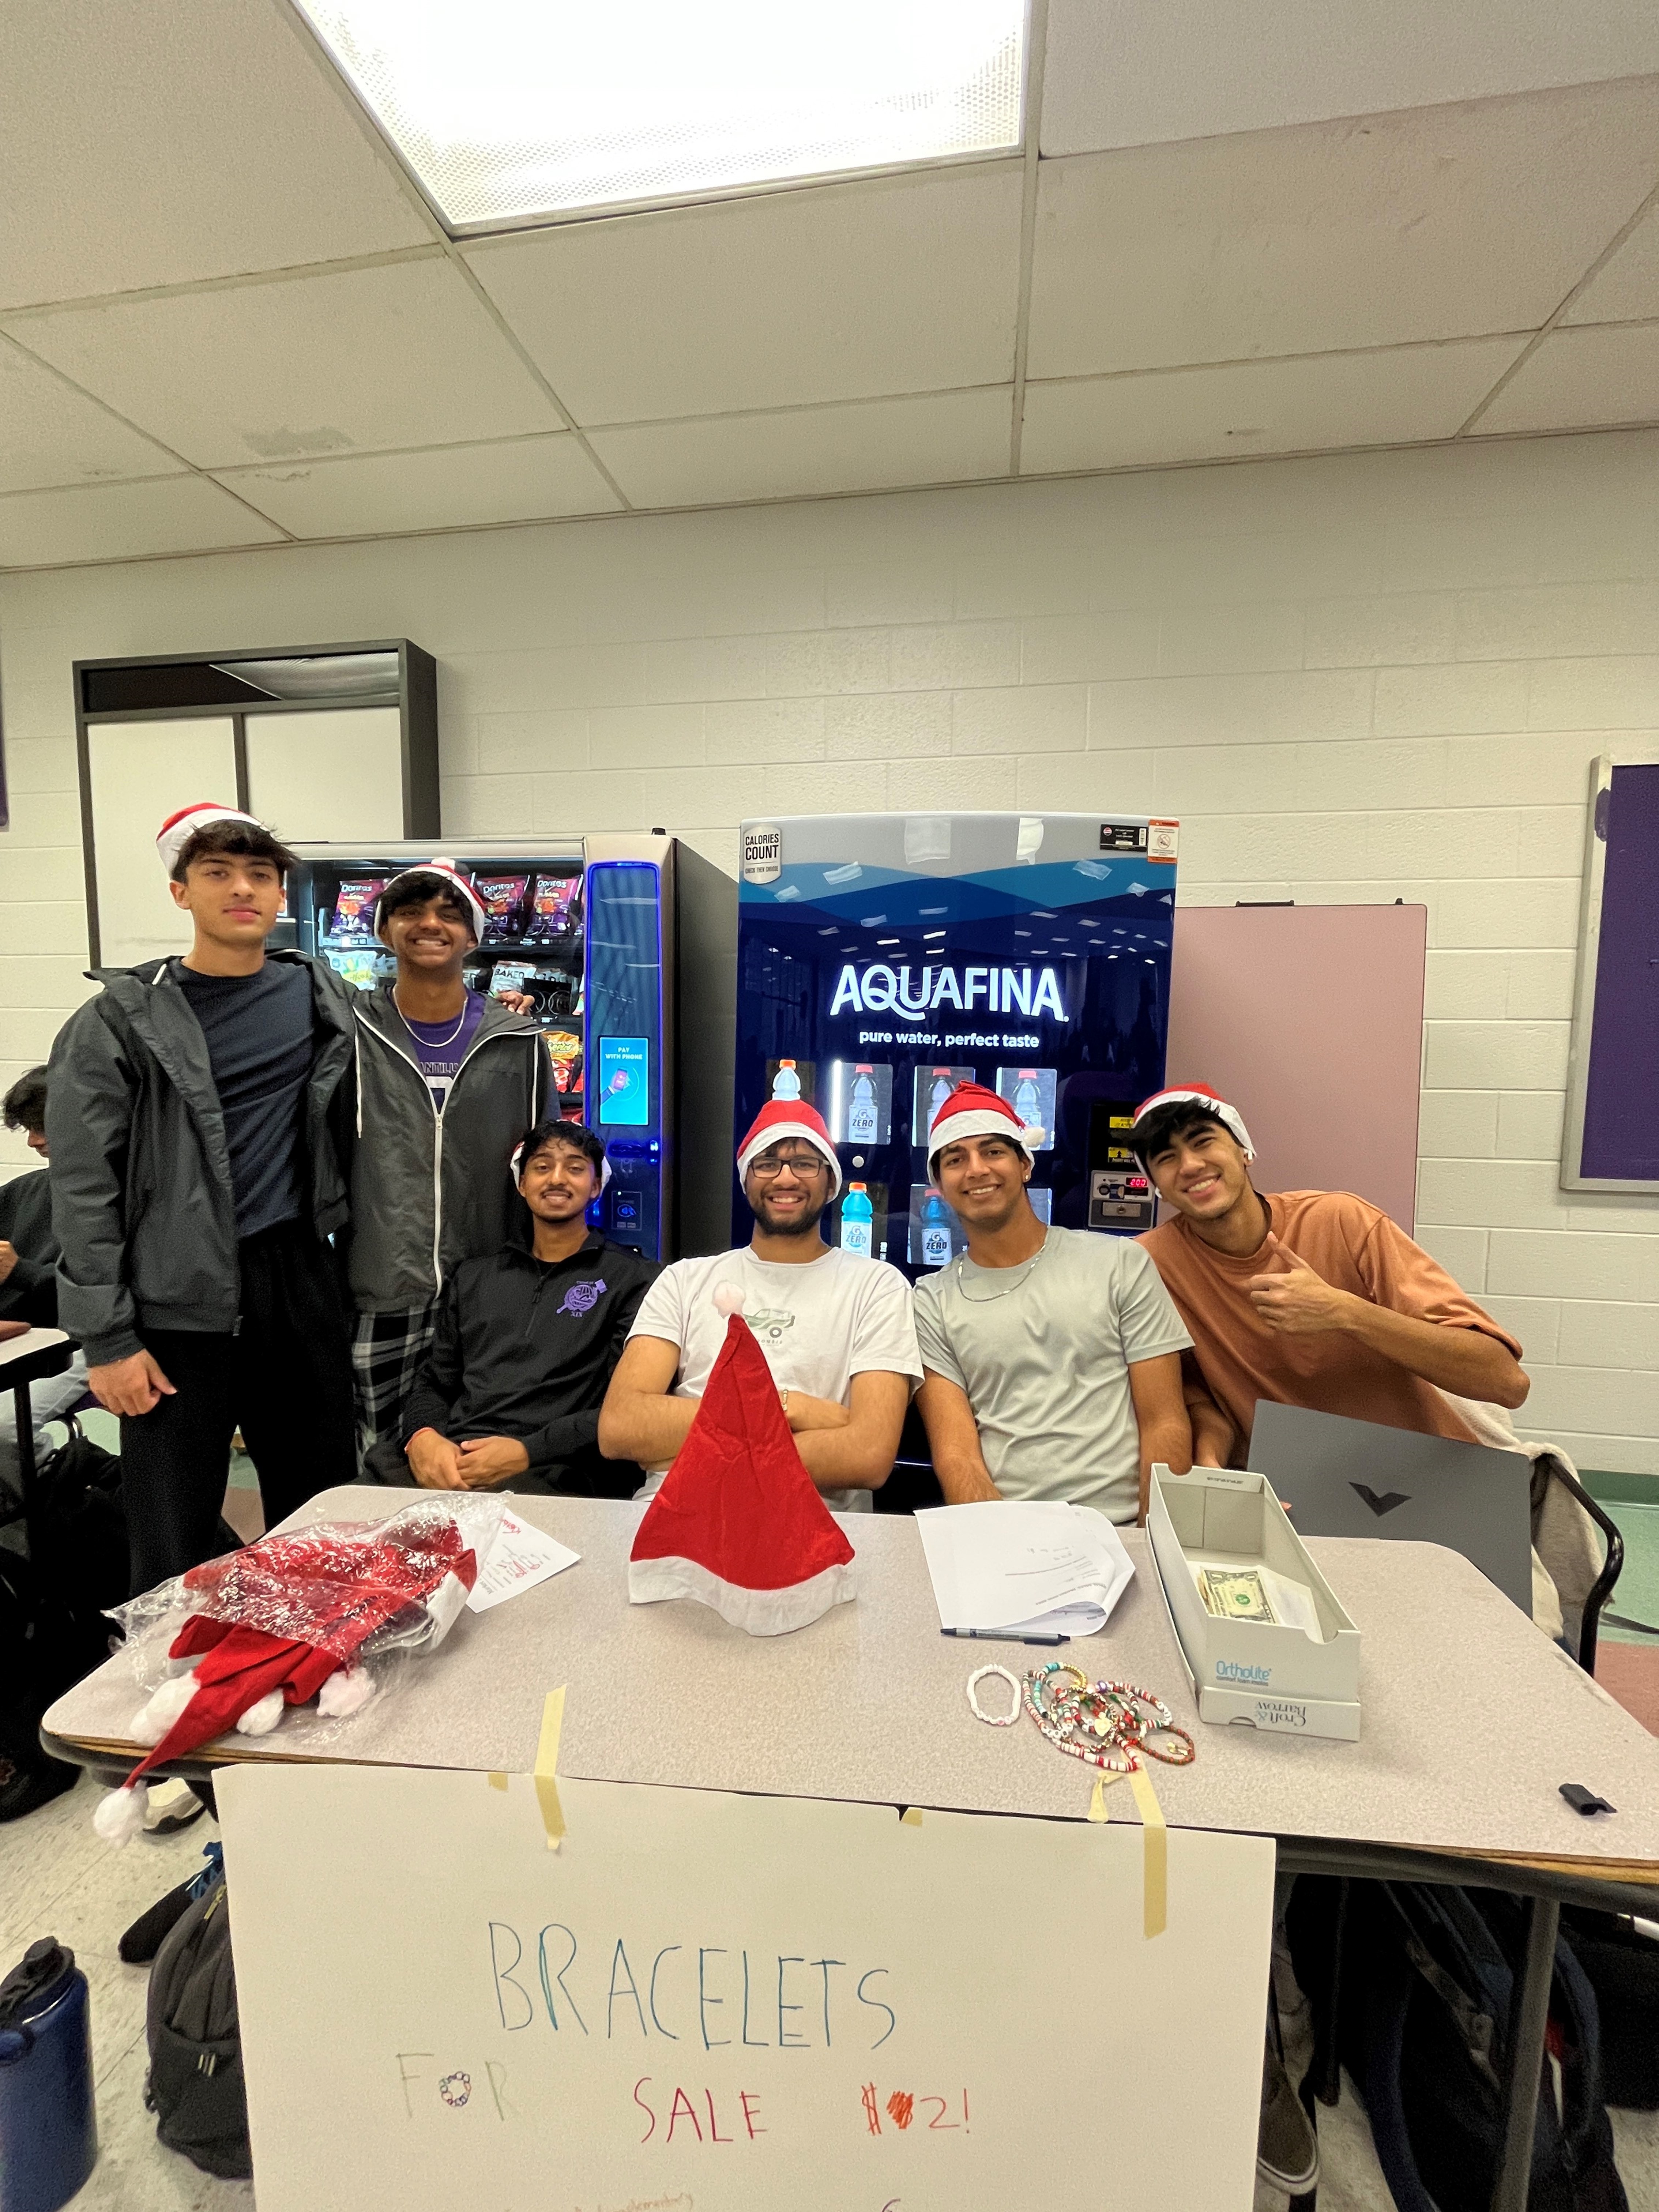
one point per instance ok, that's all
(353, 921)
(501, 897)
(550, 904)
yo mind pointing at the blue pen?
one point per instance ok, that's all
(1002, 1636)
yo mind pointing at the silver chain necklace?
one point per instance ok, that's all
(433, 1044)
(1023, 1268)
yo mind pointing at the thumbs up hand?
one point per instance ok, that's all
(1297, 1301)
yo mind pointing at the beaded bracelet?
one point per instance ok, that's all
(1010, 1719)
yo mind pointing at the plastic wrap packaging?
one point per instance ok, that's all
(368, 1596)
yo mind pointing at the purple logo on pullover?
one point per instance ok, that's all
(582, 1297)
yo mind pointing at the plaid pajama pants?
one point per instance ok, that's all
(387, 1352)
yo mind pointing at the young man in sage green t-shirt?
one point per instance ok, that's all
(1051, 1357)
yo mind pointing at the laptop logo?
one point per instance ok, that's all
(1386, 1503)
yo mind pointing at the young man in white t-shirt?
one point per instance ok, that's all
(1052, 1356)
(836, 1329)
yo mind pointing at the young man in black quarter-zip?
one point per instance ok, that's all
(193, 1112)
(527, 1342)
(448, 1082)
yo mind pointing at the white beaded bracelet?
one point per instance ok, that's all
(993, 1720)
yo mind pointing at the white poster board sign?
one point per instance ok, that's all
(734, 2003)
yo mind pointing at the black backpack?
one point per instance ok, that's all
(195, 2087)
(1422, 2023)
(80, 1525)
(1623, 1966)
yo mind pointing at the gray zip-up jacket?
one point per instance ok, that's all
(142, 1203)
(431, 1189)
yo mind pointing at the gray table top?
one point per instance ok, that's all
(1471, 1717)
(29, 1347)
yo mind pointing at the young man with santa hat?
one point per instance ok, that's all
(836, 1329)
(448, 1082)
(194, 1113)
(1053, 1356)
(1308, 1298)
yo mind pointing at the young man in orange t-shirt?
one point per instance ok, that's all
(1308, 1297)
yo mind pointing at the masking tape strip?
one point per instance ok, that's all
(498, 1782)
(911, 1816)
(1099, 1808)
(547, 1761)
(1155, 1865)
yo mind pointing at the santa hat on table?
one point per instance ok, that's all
(789, 1117)
(176, 832)
(1192, 1094)
(971, 1110)
(451, 879)
(338, 1595)
(737, 1523)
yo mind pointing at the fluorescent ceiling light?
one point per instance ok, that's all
(508, 111)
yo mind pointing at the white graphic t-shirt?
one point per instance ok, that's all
(819, 1325)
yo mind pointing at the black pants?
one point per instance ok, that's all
(284, 1379)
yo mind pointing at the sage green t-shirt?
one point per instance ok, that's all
(1044, 1352)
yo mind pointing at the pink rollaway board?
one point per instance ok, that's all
(1309, 1019)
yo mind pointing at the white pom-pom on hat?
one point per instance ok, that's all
(261, 1718)
(118, 1817)
(347, 1691)
(164, 1709)
(729, 1297)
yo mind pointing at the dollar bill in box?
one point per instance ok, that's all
(1264, 1638)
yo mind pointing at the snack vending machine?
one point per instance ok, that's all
(885, 958)
(604, 935)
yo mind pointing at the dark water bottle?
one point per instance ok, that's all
(48, 2122)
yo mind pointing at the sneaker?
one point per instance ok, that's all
(170, 1806)
(1286, 2149)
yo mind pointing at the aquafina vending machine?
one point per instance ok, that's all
(885, 958)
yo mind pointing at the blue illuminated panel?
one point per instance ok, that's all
(625, 1046)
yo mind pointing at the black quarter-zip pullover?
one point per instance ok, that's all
(524, 1348)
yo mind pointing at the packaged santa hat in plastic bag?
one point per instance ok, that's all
(737, 1523)
(328, 1614)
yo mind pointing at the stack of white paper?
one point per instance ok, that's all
(520, 1558)
(1024, 1568)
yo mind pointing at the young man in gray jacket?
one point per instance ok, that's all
(192, 1114)
(448, 1082)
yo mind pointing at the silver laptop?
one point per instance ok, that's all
(1343, 1478)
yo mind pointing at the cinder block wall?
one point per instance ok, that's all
(1362, 677)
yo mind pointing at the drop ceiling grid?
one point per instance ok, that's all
(1298, 288)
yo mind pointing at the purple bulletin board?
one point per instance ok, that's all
(1612, 1131)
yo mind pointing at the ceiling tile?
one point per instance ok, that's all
(527, 479)
(1581, 381)
(1446, 222)
(893, 285)
(366, 358)
(124, 522)
(1139, 72)
(1627, 289)
(49, 434)
(1388, 398)
(873, 445)
(156, 142)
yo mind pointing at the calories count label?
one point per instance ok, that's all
(762, 852)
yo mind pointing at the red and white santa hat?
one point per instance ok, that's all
(176, 832)
(453, 880)
(972, 1110)
(1195, 1094)
(789, 1117)
(737, 1524)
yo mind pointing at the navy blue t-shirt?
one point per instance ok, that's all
(259, 1032)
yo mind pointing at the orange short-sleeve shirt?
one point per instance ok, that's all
(1355, 1247)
